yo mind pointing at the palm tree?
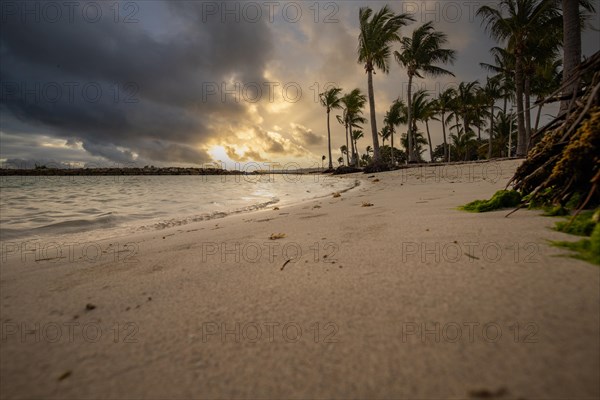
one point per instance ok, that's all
(572, 42)
(504, 68)
(423, 111)
(378, 32)
(358, 134)
(525, 21)
(394, 117)
(418, 55)
(344, 151)
(342, 121)
(385, 134)
(492, 92)
(505, 124)
(464, 103)
(353, 103)
(443, 105)
(462, 142)
(330, 100)
(419, 142)
(546, 81)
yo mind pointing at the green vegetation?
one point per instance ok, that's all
(501, 199)
(585, 249)
(582, 225)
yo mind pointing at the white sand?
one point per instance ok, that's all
(400, 267)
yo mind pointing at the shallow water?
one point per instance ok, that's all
(100, 206)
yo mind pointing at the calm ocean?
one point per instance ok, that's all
(96, 207)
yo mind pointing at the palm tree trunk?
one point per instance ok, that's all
(392, 149)
(527, 110)
(349, 127)
(429, 140)
(411, 146)
(329, 141)
(491, 131)
(521, 135)
(347, 147)
(571, 47)
(376, 155)
(539, 113)
(446, 159)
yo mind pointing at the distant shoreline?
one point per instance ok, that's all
(140, 172)
(176, 171)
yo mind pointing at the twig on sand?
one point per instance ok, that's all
(285, 263)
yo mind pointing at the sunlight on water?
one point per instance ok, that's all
(44, 206)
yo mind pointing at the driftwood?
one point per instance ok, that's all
(565, 164)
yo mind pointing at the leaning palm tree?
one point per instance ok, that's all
(330, 100)
(444, 104)
(519, 22)
(418, 55)
(378, 32)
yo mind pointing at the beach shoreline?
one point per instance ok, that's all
(362, 295)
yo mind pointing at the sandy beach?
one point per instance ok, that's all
(407, 298)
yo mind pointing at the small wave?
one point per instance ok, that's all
(77, 225)
(207, 216)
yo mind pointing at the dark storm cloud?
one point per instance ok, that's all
(111, 84)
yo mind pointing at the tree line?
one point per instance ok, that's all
(539, 45)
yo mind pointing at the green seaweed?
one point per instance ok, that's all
(501, 199)
(582, 225)
(585, 249)
(556, 211)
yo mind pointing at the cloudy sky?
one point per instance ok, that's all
(187, 83)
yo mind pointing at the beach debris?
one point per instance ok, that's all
(276, 236)
(90, 307)
(64, 375)
(471, 256)
(366, 204)
(285, 263)
(317, 206)
(562, 168)
(376, 180)
(372, 176)
(336, 195)
(275, 208)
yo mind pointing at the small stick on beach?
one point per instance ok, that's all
(285, 263)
